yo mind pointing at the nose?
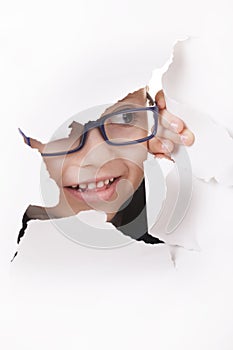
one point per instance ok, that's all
(96, 151)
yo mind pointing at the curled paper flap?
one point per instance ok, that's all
(197, 86)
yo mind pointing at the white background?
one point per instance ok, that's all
(56, 59)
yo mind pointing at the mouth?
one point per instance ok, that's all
(99, 185)
(101, 189)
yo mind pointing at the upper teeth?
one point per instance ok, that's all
(93, 185)
(83, 186)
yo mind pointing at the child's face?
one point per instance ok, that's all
(99, 176)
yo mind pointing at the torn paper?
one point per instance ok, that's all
(96, 162)
(211, 153)
(196, 86)
(178, 193)
(118, 189)
(173, 223)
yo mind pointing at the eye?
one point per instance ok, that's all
(124, 118)
(127, 117)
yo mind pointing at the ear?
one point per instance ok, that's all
(37, 144)
(33, 143)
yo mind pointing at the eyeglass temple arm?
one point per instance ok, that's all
(151, 101)
(26, 139)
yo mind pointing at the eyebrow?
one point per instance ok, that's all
(119, 106)
(130, 105)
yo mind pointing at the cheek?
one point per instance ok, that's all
(136, 174)
(134, 158)
(135, 154)
(55, 167)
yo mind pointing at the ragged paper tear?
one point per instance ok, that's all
(198, 88)
(95, 161)
(175, 222)
(211, 155)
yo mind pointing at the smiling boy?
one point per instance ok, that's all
(101, 167)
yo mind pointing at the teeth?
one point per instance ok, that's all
(91, 186)
(83, 186)
(100, 184)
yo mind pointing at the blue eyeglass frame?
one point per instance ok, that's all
(92, 124)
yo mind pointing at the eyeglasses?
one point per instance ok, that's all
(126, 126)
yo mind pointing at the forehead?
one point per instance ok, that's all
(137, 98)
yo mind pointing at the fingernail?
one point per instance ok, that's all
(183, 139)
(174, 126)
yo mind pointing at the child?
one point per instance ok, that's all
(100, 165)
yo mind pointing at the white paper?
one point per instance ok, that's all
(198, 88)
(54, 62)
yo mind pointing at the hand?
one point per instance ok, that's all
(171, 131)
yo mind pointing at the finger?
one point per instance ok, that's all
(162, 155)
(160, 145)
(167, 145)
(186, 137)
(160, 99)
(170, 121)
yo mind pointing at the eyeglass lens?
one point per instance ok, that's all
(119, 128)
(129, 126)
